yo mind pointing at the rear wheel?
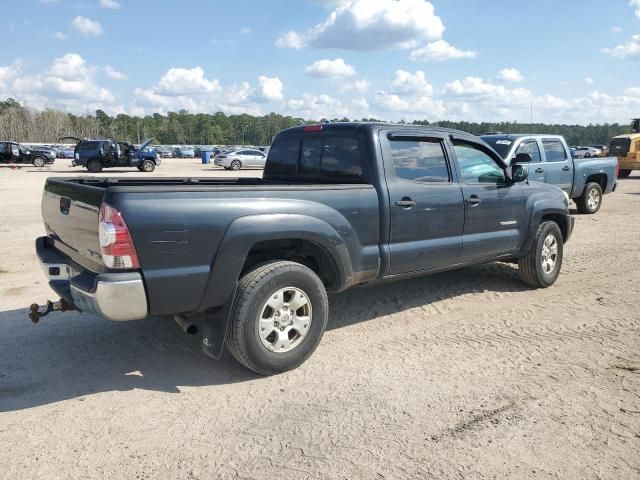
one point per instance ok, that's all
(236, 165)
(147, 166)
(587, 155)
(624, 173)
(280, 314)
(541, 266)
(591, 200)
(38, 162)
(94, 166)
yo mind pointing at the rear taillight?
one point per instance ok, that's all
(116, 244)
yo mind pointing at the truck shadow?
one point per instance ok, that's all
(71, 355)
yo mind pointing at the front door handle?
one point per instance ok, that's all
(406, 202)
(566, 168)
(473, 200)
(539, 170)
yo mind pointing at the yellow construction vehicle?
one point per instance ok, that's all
(627, 149)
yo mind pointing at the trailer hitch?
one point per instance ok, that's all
(35, 312)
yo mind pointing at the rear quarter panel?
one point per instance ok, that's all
(587, 167)
(179, 234)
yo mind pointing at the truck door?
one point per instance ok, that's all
(5, 156)
(494, 207)
(427, 212)
(536, 167)
(558, 165)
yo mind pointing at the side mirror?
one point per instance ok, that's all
(523, 158)
(520, 173)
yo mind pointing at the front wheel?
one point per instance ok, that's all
(541, 266)
(148, 166)
(623, 173)
(94, 166)
(38, 162)
(280, 314)
(591, 200)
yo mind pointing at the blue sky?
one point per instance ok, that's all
(576, 61)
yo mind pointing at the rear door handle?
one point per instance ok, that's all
(566, 168)
(406, 202)
(539, 170)
(473, 200)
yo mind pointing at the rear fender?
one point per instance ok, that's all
(247, 231)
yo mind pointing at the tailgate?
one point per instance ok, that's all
(70, 211)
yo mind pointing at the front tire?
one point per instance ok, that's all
(541, 266)
(624, 173)
(94, 166)
(591, 200)
(148, 166)
(264, 335)
(38, 162)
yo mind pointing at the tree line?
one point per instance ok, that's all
(22, 124)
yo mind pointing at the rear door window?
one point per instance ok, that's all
(554, 150)
(88, 146)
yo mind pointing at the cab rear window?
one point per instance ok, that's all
(335, 158)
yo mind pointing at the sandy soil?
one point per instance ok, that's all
(460, 375)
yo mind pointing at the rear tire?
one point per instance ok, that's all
(94, 166)
(624, 173)
(261, 317)
(541, 266)
(236, 165)
(38, 162)
(591, 200)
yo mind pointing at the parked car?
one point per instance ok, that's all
(586, 152)
(96, 155)
(249, 261)
(12, 152)
(604, 149)
(242, 158)
(66, 152)
(583, 180)
(164, 152)
(184, 152)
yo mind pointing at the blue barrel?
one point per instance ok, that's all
(206, 157)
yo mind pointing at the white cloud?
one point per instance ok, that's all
(510, 75)
(110, 4)
(636, 6)
(440, 50)
(631, 49)
(406, 83)
(616, 29)
(246, 31)
(370, 25)
(633, 92)
(114, 74)
(291, 40)
(186, 81)
(358, 86)
(317, 107)
(334, 69)
(589, 81)
(87, 27)
(269, 89)
(59, 36)
(68, 84)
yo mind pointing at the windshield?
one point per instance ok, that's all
(502, 145)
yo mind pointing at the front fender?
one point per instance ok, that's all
(245, 232)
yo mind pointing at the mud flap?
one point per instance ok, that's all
(214, 328)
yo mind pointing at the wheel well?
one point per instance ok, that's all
(306, 252)
(560, 220)
(599, 178)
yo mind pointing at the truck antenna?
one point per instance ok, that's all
(531, 121)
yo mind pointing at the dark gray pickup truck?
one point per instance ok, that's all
(249, 261)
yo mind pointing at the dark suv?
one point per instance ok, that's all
(95, 155)
(12, 152)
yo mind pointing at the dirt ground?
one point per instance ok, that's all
(466, 374)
